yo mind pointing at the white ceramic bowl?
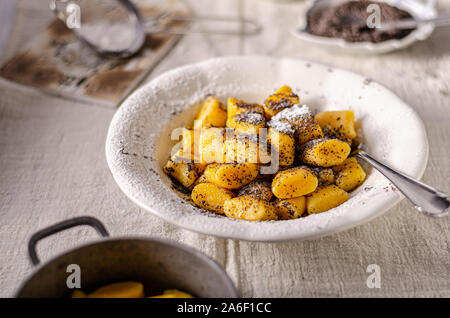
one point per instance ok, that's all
(414, 7)
(138, 142)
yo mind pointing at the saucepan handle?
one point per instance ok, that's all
(58, 227)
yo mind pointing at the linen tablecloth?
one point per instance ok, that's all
(53, 167)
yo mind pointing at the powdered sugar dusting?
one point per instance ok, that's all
(250, 117)
(285, 120)
(281, 126)
(293, 114)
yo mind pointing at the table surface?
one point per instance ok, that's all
(53, 167)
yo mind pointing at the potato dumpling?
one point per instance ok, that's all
(245, 148)
(250, 209)
(231, 175)
(258, 189)
(329, 133)
(187, 140)
(283, 98)
(235, 107)
(268, 172)
(341, 122)
(306, 125)
(308, 130)
(184, 172)
(349, 175)
(211, 145)
(210, 197)
(212, 114)
(325, 175)
(119, 290)
(201, 179)
(294, 182)
(77, 293)
(248, 150)
(248, 122)
(325, 198)
(291, 208)
(325, 152)
(184, 156)
(302, 119)
(284, 146)
(173, 293)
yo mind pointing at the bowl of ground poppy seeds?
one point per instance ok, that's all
(341, 24)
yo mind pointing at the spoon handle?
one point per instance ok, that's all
(242, 26)
(440, 20)
(426, 199)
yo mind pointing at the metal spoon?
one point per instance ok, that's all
(426, 199)
(441, 20)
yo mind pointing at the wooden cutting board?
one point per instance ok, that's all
(58, 63)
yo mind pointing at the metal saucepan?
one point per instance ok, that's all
(157, 263)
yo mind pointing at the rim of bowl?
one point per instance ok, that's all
(371, 211)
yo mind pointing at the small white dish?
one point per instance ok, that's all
(414, 7)
(138, 142)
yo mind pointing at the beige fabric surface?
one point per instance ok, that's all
(52, 167)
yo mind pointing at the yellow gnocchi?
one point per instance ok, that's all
(349, 174)
(78, 294)
(212, 114)
(294, 182)
(325, 152)
(210, 196)
(248, 122)
(119, 290)
(284, 146)
(245, 148)
(325, 198)
(230, 175)
(211, 145)
(325, 175)
(173, 293)
(128, 289)
(301, 119)
(282, 99)
(201, 179)
(272, 161)
(236, 107)
(341, 122)
(250, 209)
(291, 208)
(185, 173)
(258, 189)
(187, 141)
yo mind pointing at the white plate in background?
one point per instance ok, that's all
(414, 7)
